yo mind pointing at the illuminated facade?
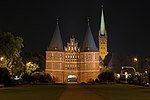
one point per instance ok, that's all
(71, 63)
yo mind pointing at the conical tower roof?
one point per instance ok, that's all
(56, 43)
(89, 43)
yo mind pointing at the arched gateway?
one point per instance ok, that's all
(71, 78)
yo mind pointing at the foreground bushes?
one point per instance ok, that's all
(107, 76)
(36, 77)
(5, 77)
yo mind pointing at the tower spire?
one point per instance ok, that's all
(102, 25)
(56, 43)
(89, 43)
(102, 37)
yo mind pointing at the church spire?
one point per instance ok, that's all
(56, 43)
(102, 38)
(102, 25)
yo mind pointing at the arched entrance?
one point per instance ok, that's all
(71, 78)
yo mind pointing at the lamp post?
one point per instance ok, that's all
(136, 63)
(1, 59)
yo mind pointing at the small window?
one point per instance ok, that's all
(69, 48)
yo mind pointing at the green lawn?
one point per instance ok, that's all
(35, 92)
(121, 91)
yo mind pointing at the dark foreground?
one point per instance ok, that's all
(34, 92)
(76, 92)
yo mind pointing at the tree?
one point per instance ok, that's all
(31, 67)
(147, 64)
(10, 48)
(40, 60)
(107, 76)
(36, 58)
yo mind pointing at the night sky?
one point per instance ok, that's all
(127, 22)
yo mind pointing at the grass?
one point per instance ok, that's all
(121, 91)
(35, 92)
(53, 92)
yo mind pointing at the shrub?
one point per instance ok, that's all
(36, 77)
(26, 77)
(107, 76)
(90, 81)
(41, 77)
(83, 83)
(5, 77)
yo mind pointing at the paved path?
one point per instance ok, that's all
(76, 92)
